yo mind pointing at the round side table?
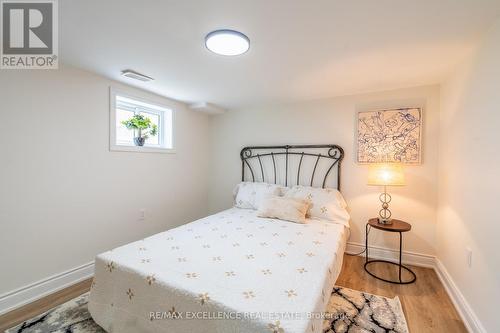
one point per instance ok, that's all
(396, 226)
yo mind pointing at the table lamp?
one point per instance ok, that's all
(385, 174)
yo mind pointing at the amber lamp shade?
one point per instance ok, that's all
(386, 174)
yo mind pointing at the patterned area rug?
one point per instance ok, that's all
(350, 311)
(357, 312)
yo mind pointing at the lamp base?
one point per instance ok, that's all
(384, 221)
(385, 213)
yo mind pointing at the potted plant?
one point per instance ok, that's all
(143, 128)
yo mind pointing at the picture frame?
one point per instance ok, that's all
(390, 135)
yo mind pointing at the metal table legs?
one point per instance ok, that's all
(399, 265)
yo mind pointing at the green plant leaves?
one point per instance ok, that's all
(141, 123)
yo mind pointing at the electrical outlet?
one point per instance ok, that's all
(142, 214)
(468, 252)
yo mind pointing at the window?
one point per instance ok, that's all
(139, 125)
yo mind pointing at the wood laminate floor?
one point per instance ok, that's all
(17, 316)
(426, 304)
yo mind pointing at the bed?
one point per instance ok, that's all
(232, 271)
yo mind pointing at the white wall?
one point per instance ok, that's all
(469, 179)
(64, 197)
(63, 188)
(334, 121)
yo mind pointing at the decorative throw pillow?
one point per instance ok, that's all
(325, 203)
(288, 209)
(249, 195)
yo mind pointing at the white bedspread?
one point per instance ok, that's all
(239, 272)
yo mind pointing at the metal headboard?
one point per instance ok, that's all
(330, 153)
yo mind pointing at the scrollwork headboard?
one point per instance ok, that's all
(293, 164)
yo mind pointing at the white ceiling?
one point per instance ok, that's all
(299, 49)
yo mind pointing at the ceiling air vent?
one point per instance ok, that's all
(136, 76)
(207, 108)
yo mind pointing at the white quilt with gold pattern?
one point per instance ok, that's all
(229, 272)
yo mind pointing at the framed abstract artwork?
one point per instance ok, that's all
(393, 135)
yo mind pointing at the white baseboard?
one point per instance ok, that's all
(469, 317)
(378, 252)
(465, 311)
(37, 290)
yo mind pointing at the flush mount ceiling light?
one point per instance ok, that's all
(227, 42)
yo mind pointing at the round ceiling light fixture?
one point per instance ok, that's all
(227, 42)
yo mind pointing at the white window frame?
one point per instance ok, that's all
(113, 146)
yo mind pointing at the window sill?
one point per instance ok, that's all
(136, 149)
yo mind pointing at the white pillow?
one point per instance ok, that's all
(250, 195)
(288, 209)
(325, 203)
